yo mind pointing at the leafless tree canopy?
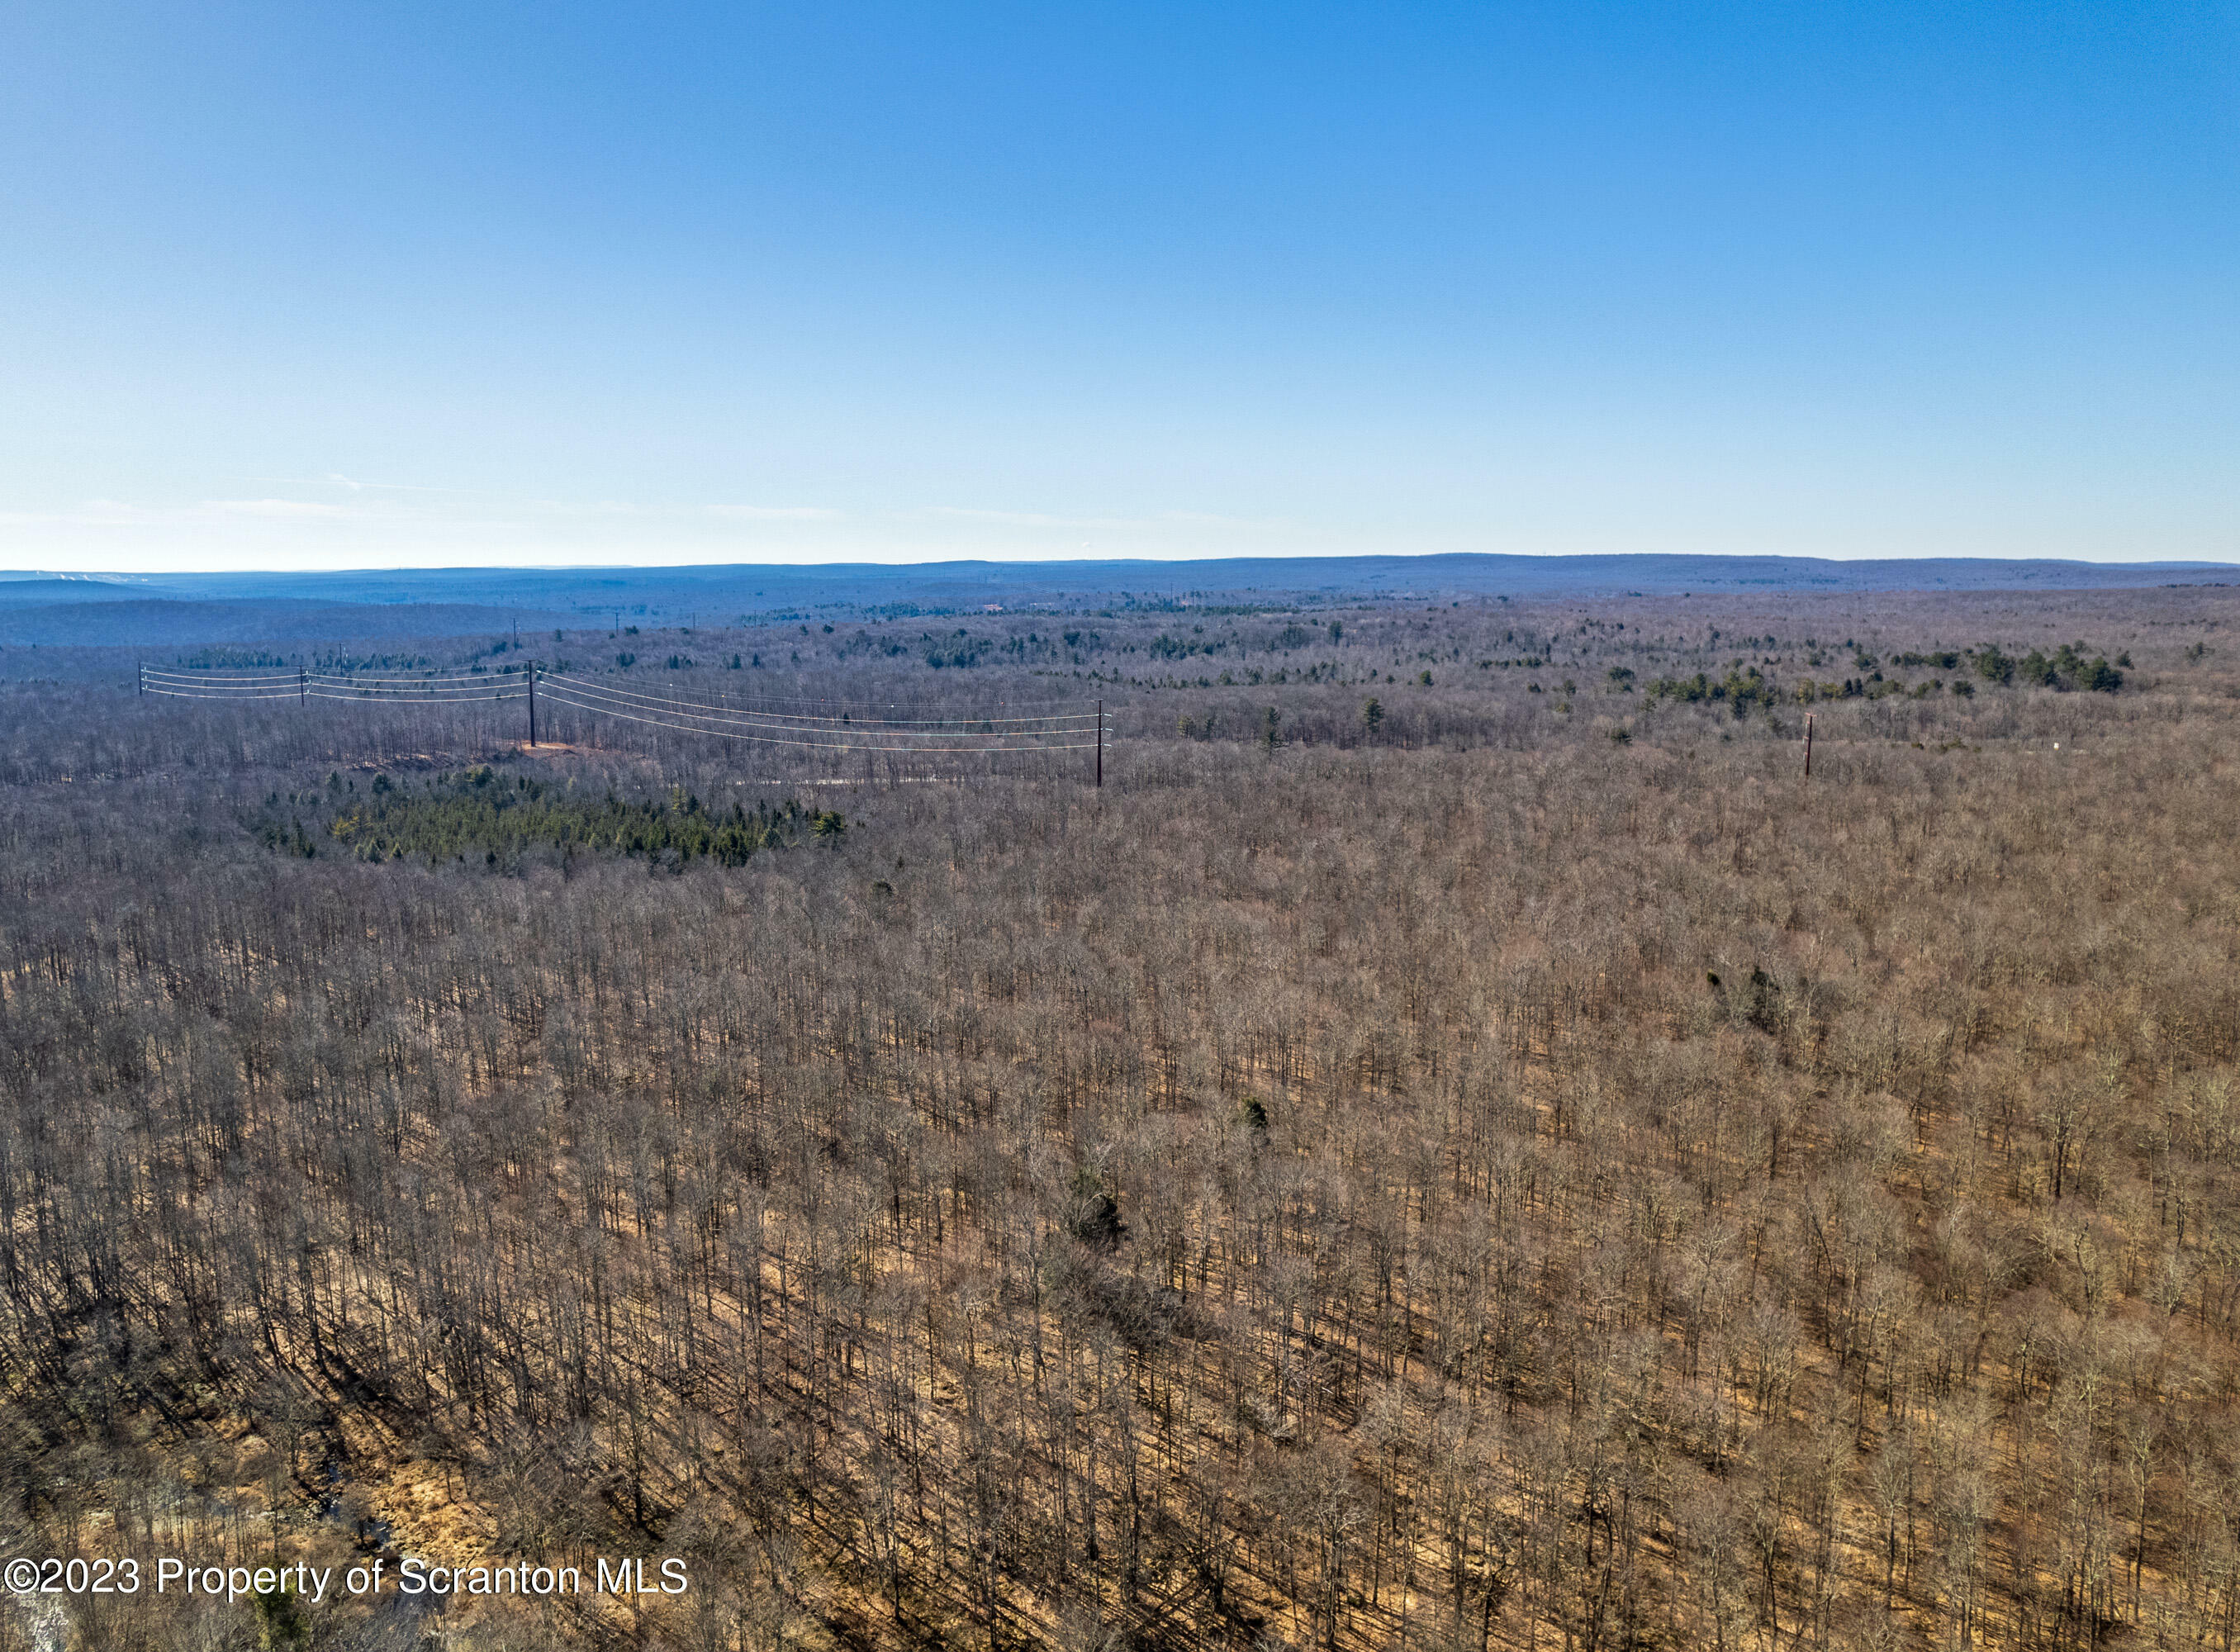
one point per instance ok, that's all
(1457, 1144)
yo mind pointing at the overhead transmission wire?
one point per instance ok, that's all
(546, 673)
(732, 710)
(802, 700)
(177, 685)
(823, 745)
(435, 687)
(182, 682)
(912, 728)
(221, 682)
(463, 694)
(440, 679)
(186, 693)
(867, 709)
(756, 722)
(834, 735)
(479, 686)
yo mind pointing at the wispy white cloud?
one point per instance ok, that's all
(117, 513)
(340, 521)
(1028, 519)
(1207, 519)
(284, 509)
(772, 513)
(354, 484)
(1157, 524)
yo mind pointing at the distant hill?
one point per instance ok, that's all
(142, 623)
(26, 588)
(55, 610)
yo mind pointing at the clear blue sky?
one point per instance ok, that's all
(383, 283)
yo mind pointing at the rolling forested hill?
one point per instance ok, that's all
(451, 601)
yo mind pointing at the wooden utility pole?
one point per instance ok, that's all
(532, 705)
(1808, 745)
(303, 686)
(1100, 745)
(140, 675)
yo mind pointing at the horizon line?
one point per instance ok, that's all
(136, 576)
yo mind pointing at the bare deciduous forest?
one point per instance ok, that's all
(1457, 1144)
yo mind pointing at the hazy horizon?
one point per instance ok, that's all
(154, 577)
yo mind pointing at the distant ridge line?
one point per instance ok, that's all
(57, 611)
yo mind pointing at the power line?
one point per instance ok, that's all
(216, 685)
(766, 706)
(176, 694)
(759, 700)
(340, 679)
(913, 727)
(898, 729)
(420, 691)
(748, 722)
(415, 699)
(558, 697)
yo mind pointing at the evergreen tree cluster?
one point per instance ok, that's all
(476, 814)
